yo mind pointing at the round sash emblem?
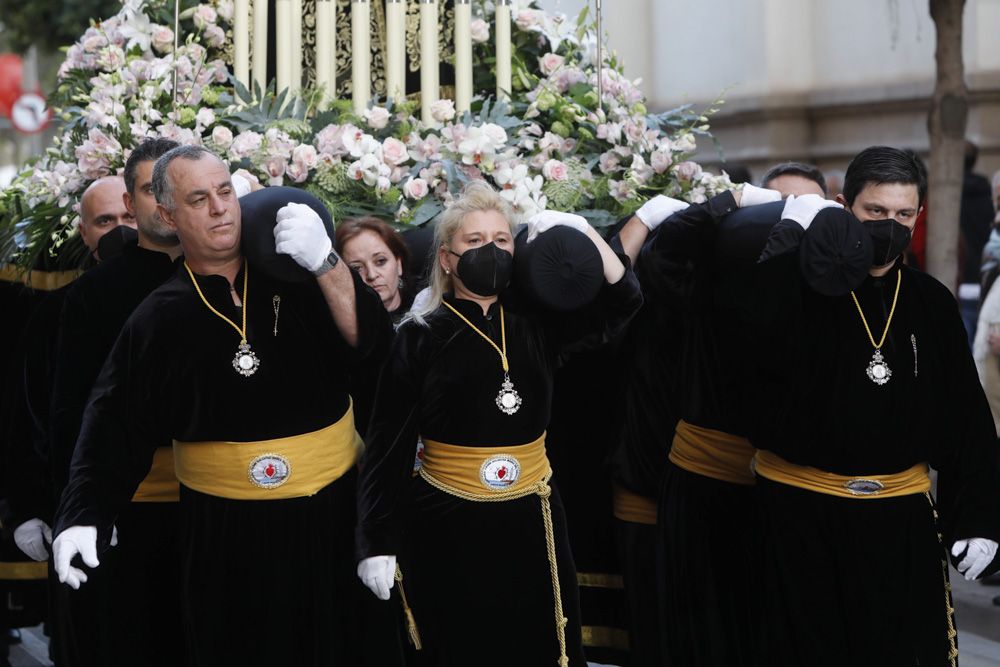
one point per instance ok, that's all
(269, 471)
(500, 472)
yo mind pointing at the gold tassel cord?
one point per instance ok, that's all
(411, 621)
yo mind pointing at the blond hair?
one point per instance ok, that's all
(475, 196)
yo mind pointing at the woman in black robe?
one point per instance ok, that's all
(477, 575)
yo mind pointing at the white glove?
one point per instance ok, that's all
(72, 541)
(979, 553)
(803, 209)
(752, 195)
(241, 185)
(31, 538)
(546, 220)
(658, 209)
(378, 573)
(301, 235)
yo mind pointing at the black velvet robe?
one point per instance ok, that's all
(476, 574)
(262, 582)
(842, 578)
(145, 564)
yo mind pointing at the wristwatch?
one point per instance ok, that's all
(331, 261)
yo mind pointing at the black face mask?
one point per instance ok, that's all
(889, 240)
(485, 270)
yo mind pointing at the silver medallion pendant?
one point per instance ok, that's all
(508, 400)
(878, 371)
(245, 362)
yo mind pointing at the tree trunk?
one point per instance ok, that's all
(946, 126)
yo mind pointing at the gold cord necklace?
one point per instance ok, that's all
(879, 371)
(245, 362)
(508, 400)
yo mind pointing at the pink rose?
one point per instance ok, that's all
(480, 31)
(394, 152)
(416, 188)
(215, 36)
(660, 160)
(245, 144)
(204, 16)
(330, 140)
(554, 170)
(162, 39)
(688, 171)
(527, 19)
(609, 162)
(550, 62)
(297, 172)
(225, 9)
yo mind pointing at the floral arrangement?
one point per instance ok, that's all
(554, 145)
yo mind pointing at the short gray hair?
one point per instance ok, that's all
(163, 189)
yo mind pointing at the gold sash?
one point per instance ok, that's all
(486, 472)
(160, 485)
(292, 467)
(911, 481)
(712, 453)
(45, 281)
(632, 507)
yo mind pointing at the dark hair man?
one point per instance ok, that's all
(854, 397)
(795, 178)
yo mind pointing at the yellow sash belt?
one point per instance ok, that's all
(712, 453)
(632, 507)
(496, 474)
(160, 485)
(46, 281)
(908, 482)
(292, 467)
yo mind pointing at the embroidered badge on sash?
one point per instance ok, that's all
(864, 487)
(269, 471)
(500, 472)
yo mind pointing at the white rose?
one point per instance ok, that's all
(554, 170)
(480, 31)
(222, 136)
(377, 117)
(416, 188)
(225, 9)
(550, 62)
(660, 160)
(205, 117)
(443, 110)
(394, 152)
(204, 16)
(305, 156)
(245, 144)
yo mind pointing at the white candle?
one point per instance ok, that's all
(361, 68)
(326, 47)
(260, 43)
(463, 55)
(395, 49)
(503, 49)
(283, 43)
(296, 45)
(428, 58)
(241, 41)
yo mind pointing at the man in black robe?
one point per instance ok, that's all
(264, 441)
(854, 395)
(95, 309)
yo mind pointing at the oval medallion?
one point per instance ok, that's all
(269, 471)
(864, 487)
(500, 472)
